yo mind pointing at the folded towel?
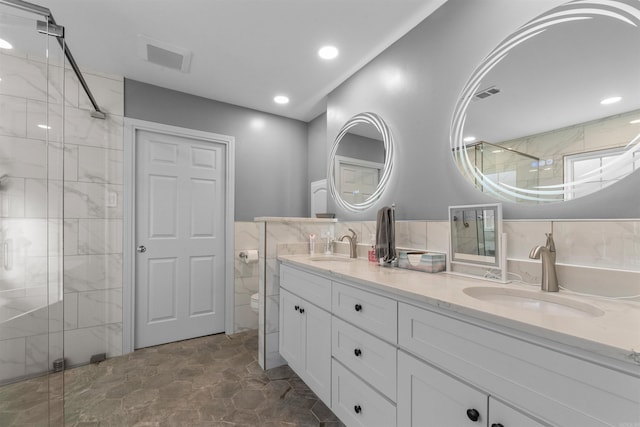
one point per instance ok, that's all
(385, 235)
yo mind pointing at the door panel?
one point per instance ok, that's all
(203, 208)
(202, 299)
(161, 290)
(180, 217)
(163, 205)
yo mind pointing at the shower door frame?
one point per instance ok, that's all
(131, 127)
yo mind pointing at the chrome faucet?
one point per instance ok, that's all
(353, 243)
(548, 255)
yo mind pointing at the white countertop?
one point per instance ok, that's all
(615, 334)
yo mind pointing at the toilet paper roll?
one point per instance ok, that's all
(249, 256)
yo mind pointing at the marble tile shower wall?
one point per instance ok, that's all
(92, 188)
(246, 276)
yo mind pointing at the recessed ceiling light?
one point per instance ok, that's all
(5, 44)
(328, 52)
(611, 100)
(634, 122)
(497, 151)
(469, 139)
(281, 99)
(44, 126)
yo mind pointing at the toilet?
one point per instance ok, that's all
(255, 298)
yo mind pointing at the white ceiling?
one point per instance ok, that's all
(244, 51)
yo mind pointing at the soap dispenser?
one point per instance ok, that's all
(371, 254)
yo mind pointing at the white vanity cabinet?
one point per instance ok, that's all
(379, 357)
(305, 331)
(558, 388)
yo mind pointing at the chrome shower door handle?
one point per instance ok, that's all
(142, 249)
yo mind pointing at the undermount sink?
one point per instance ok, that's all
(545, 303)
(330, 258)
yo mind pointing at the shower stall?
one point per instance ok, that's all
(35, 68)
(504, 166)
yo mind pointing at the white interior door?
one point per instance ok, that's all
(180, 238)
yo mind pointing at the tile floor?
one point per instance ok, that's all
(209, 381)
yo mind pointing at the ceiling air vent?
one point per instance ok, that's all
(485, 93)
(164, 54)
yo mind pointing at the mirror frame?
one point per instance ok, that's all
(574, 10)
(387, 139)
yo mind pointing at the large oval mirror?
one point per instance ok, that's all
(553, 112)
(360, 162)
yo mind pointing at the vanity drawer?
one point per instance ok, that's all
(366, 355)
(368, 311)
(559, 389)
(311, 287)
(357, 404)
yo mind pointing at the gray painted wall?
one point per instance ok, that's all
(317, 137)
(414, 86)
(271, 151)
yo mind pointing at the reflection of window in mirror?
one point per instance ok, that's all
(596, 170)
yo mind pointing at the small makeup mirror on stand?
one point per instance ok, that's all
(477, 246)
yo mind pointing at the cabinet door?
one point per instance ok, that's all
(316, 350)
(428, 397)
(290, 329)
(501, 415)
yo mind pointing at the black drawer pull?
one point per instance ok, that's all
(301, 310)
(496, 425)
(358, 307)
(473, 415)
(357, 352)
(358, 409)
(296, 308)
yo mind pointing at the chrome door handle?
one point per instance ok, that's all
(141, 249)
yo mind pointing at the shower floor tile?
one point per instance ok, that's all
(208, 381)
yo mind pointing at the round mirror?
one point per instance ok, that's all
(360, 162)
(553, 112)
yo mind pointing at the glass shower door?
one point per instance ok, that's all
(32, 76)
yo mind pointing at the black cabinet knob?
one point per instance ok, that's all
(473, 415)
(496, 425)
(301, 310)
(358, 307)
(358, 409)
(296, 308)
(357, 352)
